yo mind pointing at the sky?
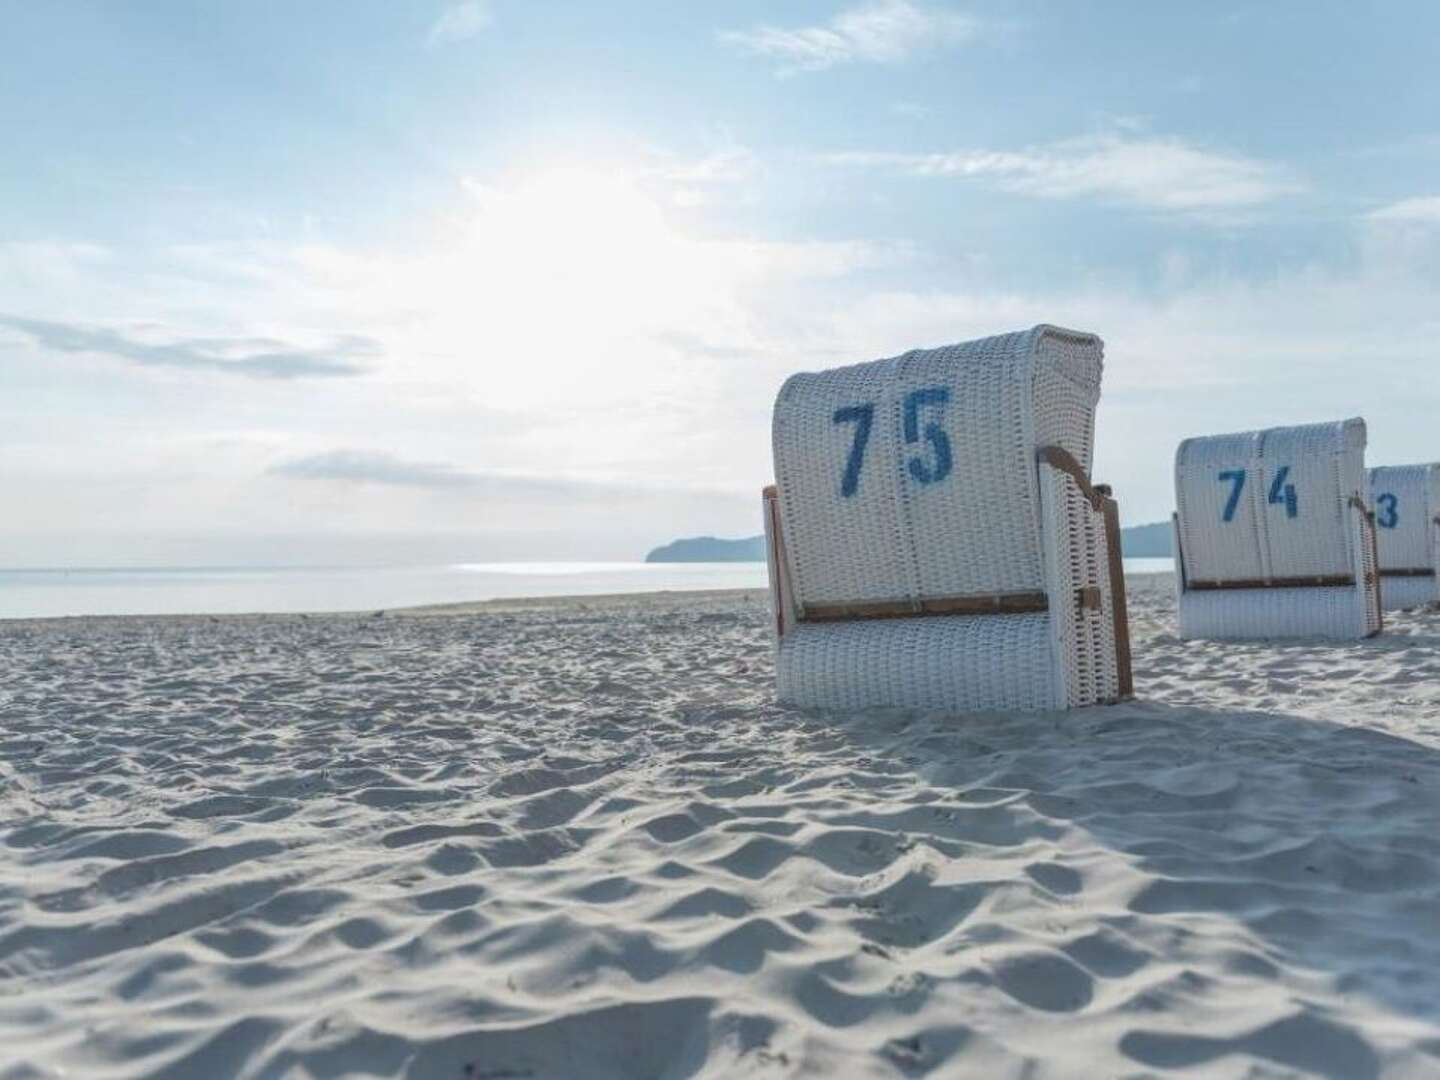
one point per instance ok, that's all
(518, 279)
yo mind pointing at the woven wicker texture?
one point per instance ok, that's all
(946, 500)
(1399, 593)
(968, 664)
(1406, 500)
(1270, 505)
(1274, 613)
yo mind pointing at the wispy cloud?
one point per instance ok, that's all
(729, 165)
(460, 21)
(883, 32)
(256, 358)
(374, 467)
(351, 466)
(727, 173)
(1156, 172)
(1420, 210)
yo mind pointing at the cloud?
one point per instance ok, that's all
(256, 358)
(730, 165)
(883, 32)
(1157, 172)
(570, 324)
(1420, 210)
(54, 260)
(372, 467)
(459, 22)
(349, 466)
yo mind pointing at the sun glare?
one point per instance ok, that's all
(558, 282)
(591, 243)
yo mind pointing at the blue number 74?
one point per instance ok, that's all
(1281, 493)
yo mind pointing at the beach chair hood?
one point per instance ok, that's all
(1274, 534)
(1406, 499)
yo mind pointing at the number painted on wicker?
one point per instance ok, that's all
(1389, 507)
(862, 416)
(1235, 477)
(1283, 493)
(928, 472)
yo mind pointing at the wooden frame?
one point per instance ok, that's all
(1088, 598)
(1119, 603)
(1337, 581)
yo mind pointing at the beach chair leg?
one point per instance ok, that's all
(1119, 608)
(1368, 579)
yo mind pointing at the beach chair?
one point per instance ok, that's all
(1406, 499)
(1273, 537)
(934, 539)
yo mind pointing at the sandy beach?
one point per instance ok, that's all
(578, 839)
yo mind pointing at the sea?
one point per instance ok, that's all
(221, 590)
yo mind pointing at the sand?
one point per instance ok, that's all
(579, 839)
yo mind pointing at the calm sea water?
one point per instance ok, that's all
(230, 590)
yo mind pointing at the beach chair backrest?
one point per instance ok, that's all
(915, 478)
(1406, 500)
(1271, 506)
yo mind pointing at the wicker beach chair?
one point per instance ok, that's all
(1273, 537)
(934, 540)
(1407, 518)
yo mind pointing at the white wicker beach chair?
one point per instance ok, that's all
(1273, 538)
(935, 542)
(1407, 518)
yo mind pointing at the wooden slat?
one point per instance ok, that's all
(1337, 581)
(1413, 571)
(1019, 603)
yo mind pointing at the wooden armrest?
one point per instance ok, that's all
(1102, 501)
(1057, 457)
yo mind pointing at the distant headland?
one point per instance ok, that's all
(710, 549)
(1138, 542)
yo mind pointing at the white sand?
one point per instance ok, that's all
(578, 839)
